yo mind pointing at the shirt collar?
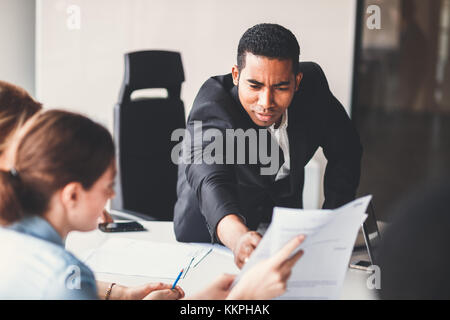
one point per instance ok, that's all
(284, 122)
(38, 227)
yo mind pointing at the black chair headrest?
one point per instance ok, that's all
(153, 69)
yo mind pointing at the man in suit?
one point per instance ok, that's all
(268, 92)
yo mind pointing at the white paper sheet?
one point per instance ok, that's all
(142, 258)
(330, 237)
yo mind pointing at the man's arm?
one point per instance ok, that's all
(230, 229)
(216, 191)
(341, 146)
(214, 184)
(343, 151)
(215, 187)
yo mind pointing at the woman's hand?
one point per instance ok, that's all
(139, 293)
(166, 294)
(267, 279)
(218, 290)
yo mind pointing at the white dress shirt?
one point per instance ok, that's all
(281, 137)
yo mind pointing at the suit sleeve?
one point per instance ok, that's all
(341, 146)
(213, 183)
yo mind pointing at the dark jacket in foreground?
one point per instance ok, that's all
(208, 192)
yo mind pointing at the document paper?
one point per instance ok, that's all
(143, 258)
(330, 237)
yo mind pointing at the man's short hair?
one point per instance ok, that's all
(16, 106)
(269, 40)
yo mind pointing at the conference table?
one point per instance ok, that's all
(219, 261)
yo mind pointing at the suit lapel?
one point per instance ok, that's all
(297, 140)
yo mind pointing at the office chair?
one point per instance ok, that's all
(147, 177)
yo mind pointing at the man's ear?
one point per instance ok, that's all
(70, 194)
(235, 74)
(298, 79)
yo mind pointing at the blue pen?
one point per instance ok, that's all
(178, 278)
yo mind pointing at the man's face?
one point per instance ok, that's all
(266, 88)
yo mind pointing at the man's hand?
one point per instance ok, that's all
(245, 246)
(233, 233)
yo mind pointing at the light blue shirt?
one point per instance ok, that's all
(35, 265)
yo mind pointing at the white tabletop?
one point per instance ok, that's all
(214, 264)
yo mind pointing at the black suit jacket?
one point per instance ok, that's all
(209, 192)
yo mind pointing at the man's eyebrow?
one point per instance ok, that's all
(255, 82)
(280, 84)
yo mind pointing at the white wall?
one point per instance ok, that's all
(83, 69)
(17, 20)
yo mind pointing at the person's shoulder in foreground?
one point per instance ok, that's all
(413, 255)
(37, 265)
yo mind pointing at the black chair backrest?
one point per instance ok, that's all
(147, 176)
